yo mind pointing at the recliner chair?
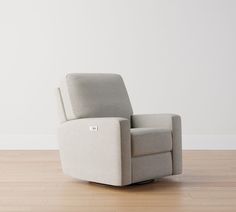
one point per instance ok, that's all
(100, 140)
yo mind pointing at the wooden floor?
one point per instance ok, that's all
(33, 181)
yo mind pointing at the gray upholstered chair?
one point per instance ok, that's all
(100, 139)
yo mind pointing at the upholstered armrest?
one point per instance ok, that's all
(97, 149)
(164, 121)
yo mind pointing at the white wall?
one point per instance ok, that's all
(175, 56)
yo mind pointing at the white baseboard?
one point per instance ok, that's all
(28, 142)
(209, 142)
(49, 142)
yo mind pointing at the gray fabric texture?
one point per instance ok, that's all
(102, 156)
(60, 106)
(95, 95)
(165, 121)
(146, 141)
(151, 166)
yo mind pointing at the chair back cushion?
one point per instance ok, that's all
(95, 95)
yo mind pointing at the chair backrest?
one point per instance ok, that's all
(93, 95)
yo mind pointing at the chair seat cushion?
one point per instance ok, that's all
(145, 141)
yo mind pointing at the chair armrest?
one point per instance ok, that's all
(164, 121)
(97, 149)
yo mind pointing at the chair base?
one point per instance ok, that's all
(144, 182)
